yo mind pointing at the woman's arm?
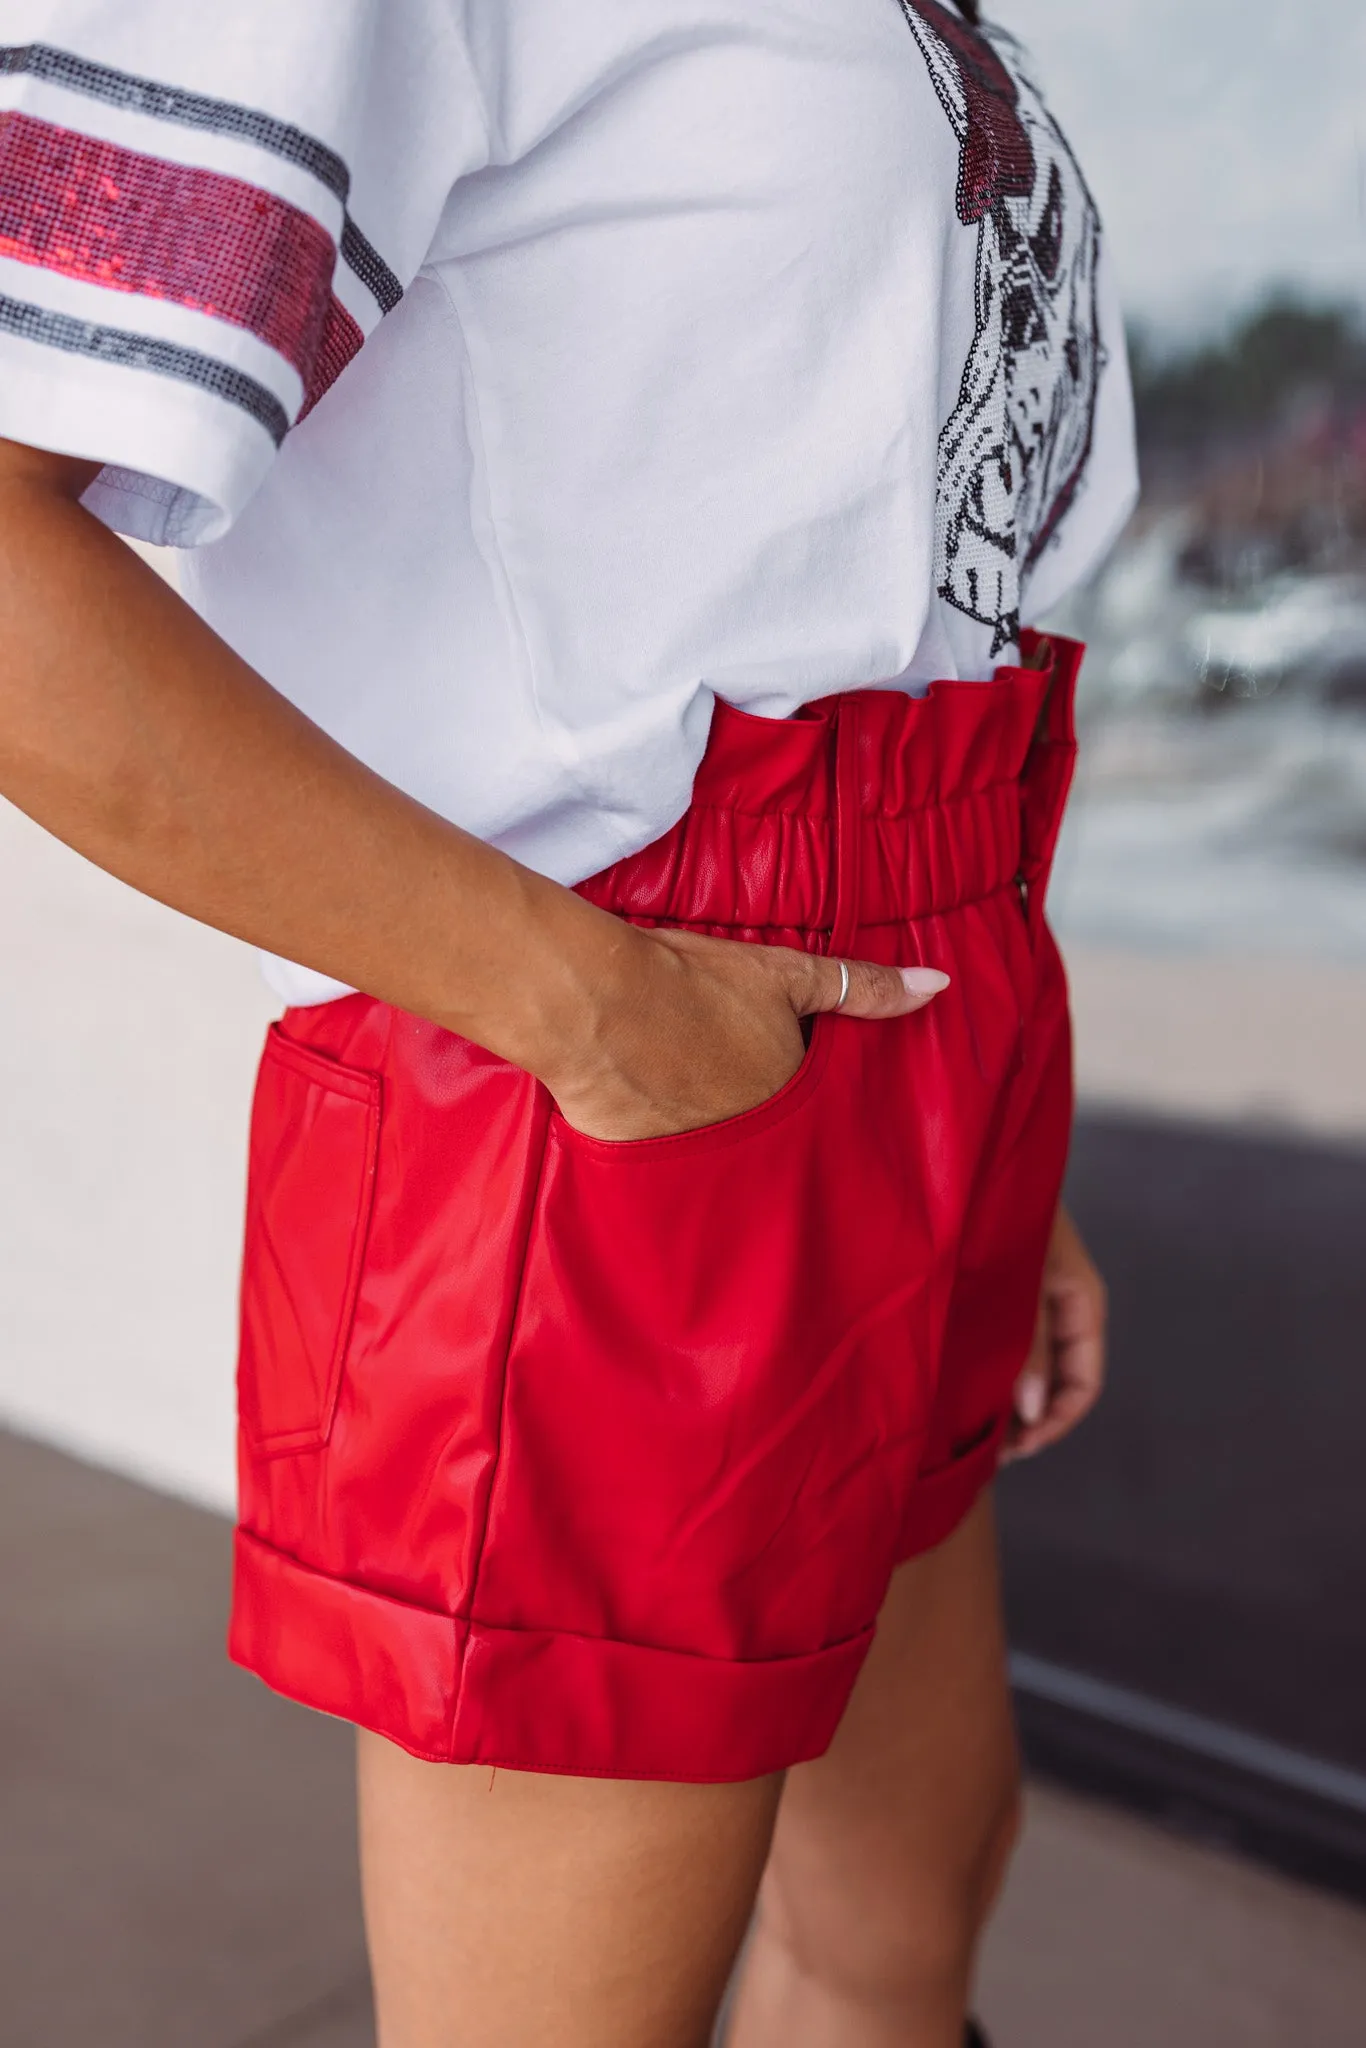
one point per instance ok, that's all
(129, 730)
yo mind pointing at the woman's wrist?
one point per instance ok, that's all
(545, 980)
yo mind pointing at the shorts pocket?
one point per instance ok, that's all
(731, 1130)
(310, 1189)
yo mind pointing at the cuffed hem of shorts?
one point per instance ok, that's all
(942, 1499)
(453, 1691)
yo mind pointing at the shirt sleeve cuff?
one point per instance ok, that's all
(179, 462)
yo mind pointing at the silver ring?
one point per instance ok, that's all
(843, 966)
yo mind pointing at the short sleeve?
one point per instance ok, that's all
(204, 213)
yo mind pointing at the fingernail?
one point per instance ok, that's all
(1030, 1398)
(923, 981)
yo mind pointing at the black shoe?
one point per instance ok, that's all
(974, 2037)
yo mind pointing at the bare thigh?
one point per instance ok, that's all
(888, 1849)
(507, 1909)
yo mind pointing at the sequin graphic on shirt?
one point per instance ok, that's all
(114, 217)
(1014, 449)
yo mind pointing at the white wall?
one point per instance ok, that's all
(128, 1042)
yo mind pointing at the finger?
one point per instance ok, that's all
(812, 982)
(1068, 1407)
(1079, 1351)
(1031, 1388)
(874, 991)
(1031, 1398)
(1076, 1384)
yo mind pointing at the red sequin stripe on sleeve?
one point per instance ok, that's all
(109, 216)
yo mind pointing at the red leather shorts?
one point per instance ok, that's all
(596, 1458)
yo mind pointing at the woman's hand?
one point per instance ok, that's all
(693, 1030)
(1065, 1371)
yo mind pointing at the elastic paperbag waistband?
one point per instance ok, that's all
(933, 783)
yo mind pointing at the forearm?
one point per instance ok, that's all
(132, 732)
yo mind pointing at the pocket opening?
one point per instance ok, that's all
(310, 1195)
(731, 1129)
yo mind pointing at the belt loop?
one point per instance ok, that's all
(848, 836)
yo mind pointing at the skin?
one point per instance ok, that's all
(506, 1909)
(538, 1910)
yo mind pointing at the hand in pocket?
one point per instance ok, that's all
(703, 1029)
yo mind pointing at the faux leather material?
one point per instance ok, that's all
(627, 1438)
(311, 1123)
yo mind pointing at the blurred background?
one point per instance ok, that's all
(1187, 1579)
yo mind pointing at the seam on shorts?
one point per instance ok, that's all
(542, 1110)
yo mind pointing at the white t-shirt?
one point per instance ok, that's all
(760, 348)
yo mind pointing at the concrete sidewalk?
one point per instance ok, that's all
(176, 1859)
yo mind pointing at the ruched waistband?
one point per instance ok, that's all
(867, 808)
